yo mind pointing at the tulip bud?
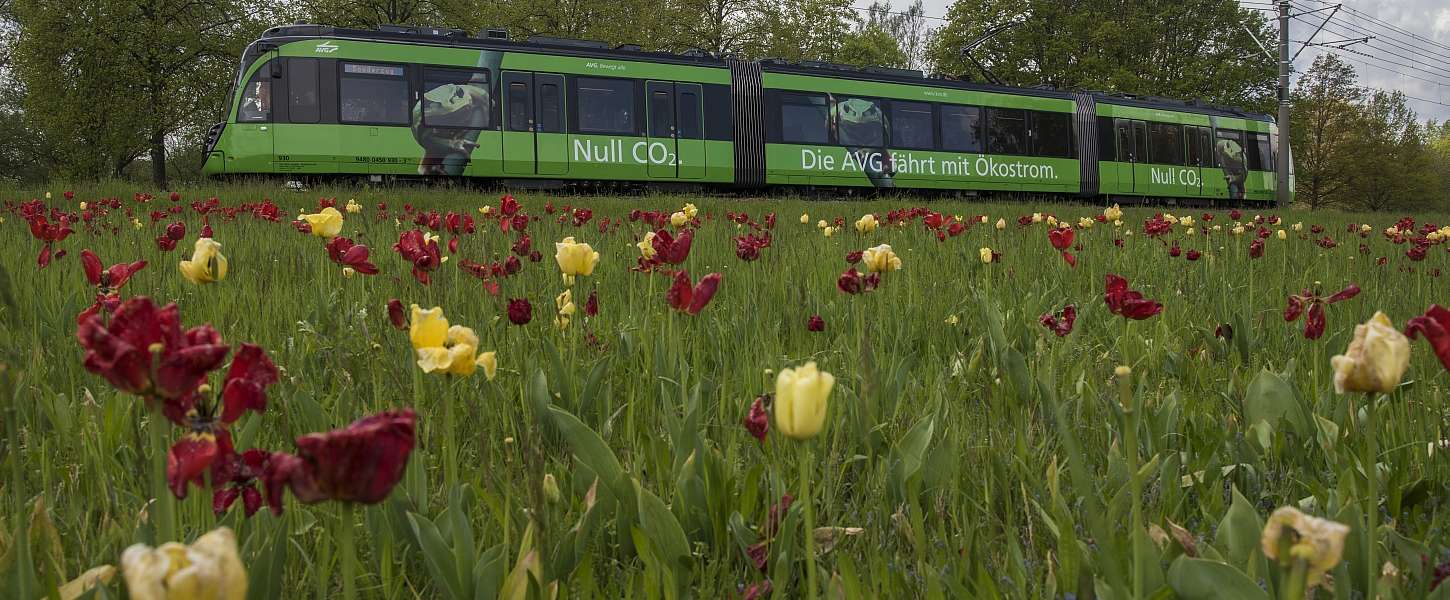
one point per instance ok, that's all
(801, 396)
(348, 272)
(805, 219)
(1001, 224)
(551, 489)
(1124, 374)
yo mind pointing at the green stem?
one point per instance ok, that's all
(349, 552)
(810, 529)
(1130, 451)
(165, 506)
(1371, 501)
(450, 450)
(1294, 584)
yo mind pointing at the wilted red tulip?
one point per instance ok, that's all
(143, 351)
(1417, 252)
(421, 251)
(397, 315)
(1314, 323)
(520, 311)
(1256, 249)
(1126, 302)
(853, 257)
(176, 231)
(1435, 326)
(1224, 331)
(775, 515)
(852, 282)
(758, 590)
(344, 252)
(1060, 325)
(591, 304)
(50, 234)
(359, 463)
(815, 323)
(757, 421)
(207, 442)
(237, 475)
(106, 281)
(690, 300)
(509, 206)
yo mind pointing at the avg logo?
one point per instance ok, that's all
(326, 48)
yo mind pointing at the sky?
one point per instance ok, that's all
(1423, 69)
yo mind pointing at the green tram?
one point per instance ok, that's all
(312, 101)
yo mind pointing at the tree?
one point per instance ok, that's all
(1391, 160)
(1191, 49)
(1324, 112)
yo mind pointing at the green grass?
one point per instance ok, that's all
(981, 457)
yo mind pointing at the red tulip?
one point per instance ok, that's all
(1256, 249)
(852, 282)
(670, 249)
(757, 421)
(423, 253)
(359, 463)
(143, 351)
(1060, 325)
(1126, 302)
(1435, 326)
(816, 324)
(1060, 237)
(344, 252)
(1194, 255)
(520, 311)
(689, 300)
(176, 231)
(591, 305)
(397, 315)
(853, 257)
(165, 244)
(509, 206)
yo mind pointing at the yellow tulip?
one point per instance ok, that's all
(881, 259)
(801, 396)
(1186, 221)
(952, 320)
(1389, 231)
(1001, 224)
(485, 210)
(984, 219)
(1238, 230)
(1113, 213)
(348, 272)
(805, 218)
(575, 259)
(822, 224)
(84, 205)
(1375, 360)
(986, 254)
(1036, 217)
(1298, 227)
(1051, 221)
(353, 207)
(209, 569)
(456, 356)
(1085, 223)
(1318, 542)
(690, 211)
(829, 231)
(136, 223)
(326, 224)
(207, 265)
(646, 246)
(678, 219)
(1283, 235)
(489, 362)
(866, 224)
(1170, 218)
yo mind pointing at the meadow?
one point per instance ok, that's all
(638, 438)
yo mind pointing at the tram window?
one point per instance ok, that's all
(453, 98)
(689, 114)
(961, 128)
(518, 102)
(859, 122)
(1167, 143)
(550, 115)
(1199, 152)
(911, 125)
(606, 105)
(1052, 134)
(302, 105)
(256, 103)
(1107, 143)
(1127, 150)
(1006, 131)
(1140, 141)
(1261, 158)
(661, 113)
(804, 119)
(373, 94)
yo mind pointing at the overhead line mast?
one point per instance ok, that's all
(1282, 166)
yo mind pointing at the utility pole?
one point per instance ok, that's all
(1282, 166)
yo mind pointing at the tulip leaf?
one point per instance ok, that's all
(1238, 534)
(666, 536)
(1271, 399)
(436, 555)
(1203, 579)
(488, 573)
(463, 549)
(266, 574)
(909, 455)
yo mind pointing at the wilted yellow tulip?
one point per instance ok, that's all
(801, 396)
(565, 303)
(489, 362)
(1052, 221)
(805, 218)
(1389, 231)
(83, 583)
(1085, 223)
(646, 246)
(427, 328)
(207, 265)
(208, 569)
(1113, 213)
(348, 272)
(1218, 227)
(575, 259)
(986, 254)
(1170, 218)
(678, 219)
(1186, 221)
(325, 224)
(455, 356)
(690, 210)
(1001, 224)
(353, 207)
(866, 224)
(881, 259)
(822, 224)
(136, 223)
(1298, 227)
(485, 210)
(1318, 542)
(952, 320)
(1238, 230)
(1375, 360)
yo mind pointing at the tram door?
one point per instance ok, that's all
(1128, 153)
